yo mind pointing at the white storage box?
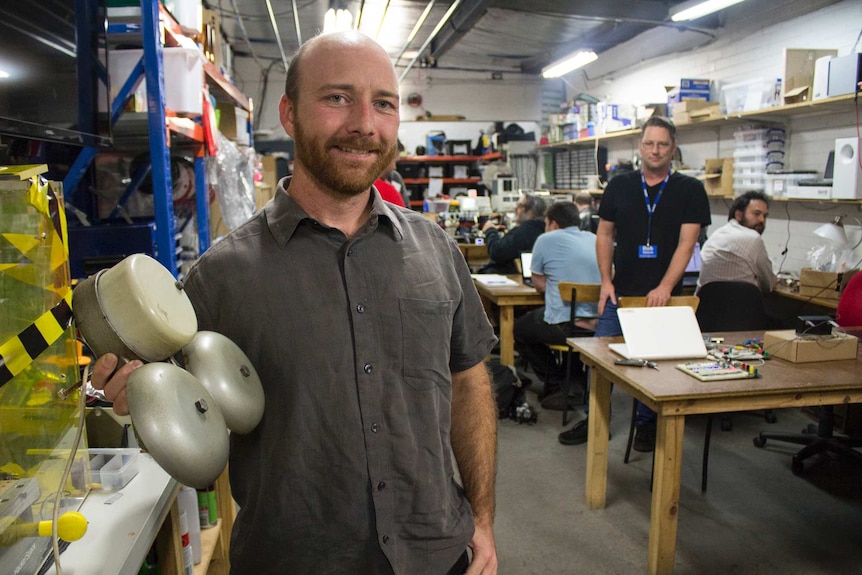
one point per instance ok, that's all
(184, 78)
(777, 184)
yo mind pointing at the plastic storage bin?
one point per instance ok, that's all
(112, 469)
(184, 77)
(747, 96)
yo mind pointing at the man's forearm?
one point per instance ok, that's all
(474, 439)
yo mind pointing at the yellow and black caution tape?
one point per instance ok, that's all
(20, 351)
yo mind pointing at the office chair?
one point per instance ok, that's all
(691, 301)
(733, 306)
(730, 306)
(574, 293)
(821, 438)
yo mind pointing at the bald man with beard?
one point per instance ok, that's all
(369, 337)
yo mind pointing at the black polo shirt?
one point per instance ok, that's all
(683, 201)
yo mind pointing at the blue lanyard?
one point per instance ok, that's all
(650, 208)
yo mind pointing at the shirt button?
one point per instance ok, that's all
(385, 539)
(349, 252)
(367, 368)
(360, 308)
(381, 486)
(375, 427)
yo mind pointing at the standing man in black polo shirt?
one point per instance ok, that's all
(649, 223)
(369, 337)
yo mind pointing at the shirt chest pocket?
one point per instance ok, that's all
(426, 332)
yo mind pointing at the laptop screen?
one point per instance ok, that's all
(526, 260)
(670, 332)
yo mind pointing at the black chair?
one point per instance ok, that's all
(730, 306)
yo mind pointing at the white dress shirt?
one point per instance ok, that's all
(736, 253)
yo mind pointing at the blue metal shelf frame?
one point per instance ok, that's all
(151, 67)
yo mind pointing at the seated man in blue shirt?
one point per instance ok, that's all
(564, 253)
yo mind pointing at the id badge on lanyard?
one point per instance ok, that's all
(647, 250)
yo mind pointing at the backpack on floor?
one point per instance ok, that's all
(509, 393)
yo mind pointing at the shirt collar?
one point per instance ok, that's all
(283, 215)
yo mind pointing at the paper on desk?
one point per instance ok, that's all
(494, 280)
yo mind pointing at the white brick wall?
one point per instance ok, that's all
(749, 51)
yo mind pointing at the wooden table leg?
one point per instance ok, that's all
(665, 494)
(597, 443)
(507, 335)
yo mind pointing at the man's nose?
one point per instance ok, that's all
(362, 118)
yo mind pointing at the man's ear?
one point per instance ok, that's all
(287, 114)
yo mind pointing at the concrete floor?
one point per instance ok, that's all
(755, 518)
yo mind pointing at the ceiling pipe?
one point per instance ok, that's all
(245, 33)
(382, 18)
(433, 35)
(296, 24)
(277, 35)
(415, 30)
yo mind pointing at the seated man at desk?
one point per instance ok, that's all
(735, 251)
(589, 219)
(563, 253)
(504, 249)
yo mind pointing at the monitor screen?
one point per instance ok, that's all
(52, 56)
(695, 262)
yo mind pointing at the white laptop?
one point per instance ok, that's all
(669, 332)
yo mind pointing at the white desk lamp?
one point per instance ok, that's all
(835, 233)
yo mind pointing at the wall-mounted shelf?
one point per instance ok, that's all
(424, 181)
(451, 159)
(836, 104)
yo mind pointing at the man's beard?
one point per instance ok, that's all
(312, 154)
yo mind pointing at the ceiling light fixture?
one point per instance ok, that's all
(695, 9)
(338, 18)
(371, 17)
(569, 63)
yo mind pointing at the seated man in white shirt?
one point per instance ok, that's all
(735, 251)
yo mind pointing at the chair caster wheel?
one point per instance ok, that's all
(759, 441)
(796, 466)
(770, 418)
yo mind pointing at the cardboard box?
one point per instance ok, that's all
(710, 112)
(825, 285)
(787, 345)
(718, 177)
(798, 79)
(681, 111)
(233, 123)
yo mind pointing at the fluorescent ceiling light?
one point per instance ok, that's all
(4, 74)
(697, 8)
(371, 17)
(569, 63)
(338, 18)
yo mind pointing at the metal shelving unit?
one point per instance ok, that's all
(159, 131)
